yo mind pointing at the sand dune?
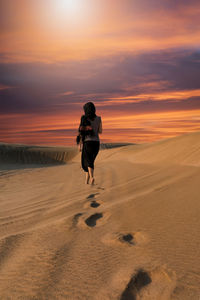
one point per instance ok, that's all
(184, 149)
(24, 154)
(134, 235)
(35, 154)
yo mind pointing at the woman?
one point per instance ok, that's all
(89, 143)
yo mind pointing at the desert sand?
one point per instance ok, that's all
(135, 234)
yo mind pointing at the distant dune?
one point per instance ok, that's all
(35, 154)
(134, 235)
(15, 153)
(184, 149)
(113, 145)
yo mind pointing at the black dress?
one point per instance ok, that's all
(89, 153)
(91, 145)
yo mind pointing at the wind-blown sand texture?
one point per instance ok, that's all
(134, 235)
(35, 154)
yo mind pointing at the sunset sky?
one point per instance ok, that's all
(137, 60)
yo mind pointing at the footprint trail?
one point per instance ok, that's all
(91, 221)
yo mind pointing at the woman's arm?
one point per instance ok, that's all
(100, 127)
(80, 143)
(80, 146)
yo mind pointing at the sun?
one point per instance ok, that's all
(70, 6)
(69, 17)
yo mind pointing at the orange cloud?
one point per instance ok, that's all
(62, 129)
(172, 95)
(5, 87)
(68, 93)
(42, 32)
(157, 96)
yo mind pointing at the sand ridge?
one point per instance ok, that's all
(134, 235)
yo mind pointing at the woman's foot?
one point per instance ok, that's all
(87, 178)
(92, 181)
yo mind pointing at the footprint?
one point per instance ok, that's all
(76, 218)
(91, 221)
(136, 238)
(131, 239)
(127, 238)
(137, 282)
(157, 284)
(95, 204)
(91, 196)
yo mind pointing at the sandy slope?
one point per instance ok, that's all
(134, 235)
(24, 154)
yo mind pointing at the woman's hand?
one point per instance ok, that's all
(80, 147)
(100, 127)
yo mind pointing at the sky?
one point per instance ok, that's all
(138, 61)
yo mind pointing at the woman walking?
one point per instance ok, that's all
(88, 140)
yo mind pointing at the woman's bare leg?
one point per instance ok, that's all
(87, 178)
(91, 174)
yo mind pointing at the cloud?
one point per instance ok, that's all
(128, 82)
(173, 96)
(140, 128)
(35, 34)
(141, 97)
(5, 87)
(68, 93)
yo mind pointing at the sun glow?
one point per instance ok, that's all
(68, 15)
(70, 6)
(71, 11)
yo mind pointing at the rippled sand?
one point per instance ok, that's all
(133, 235)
